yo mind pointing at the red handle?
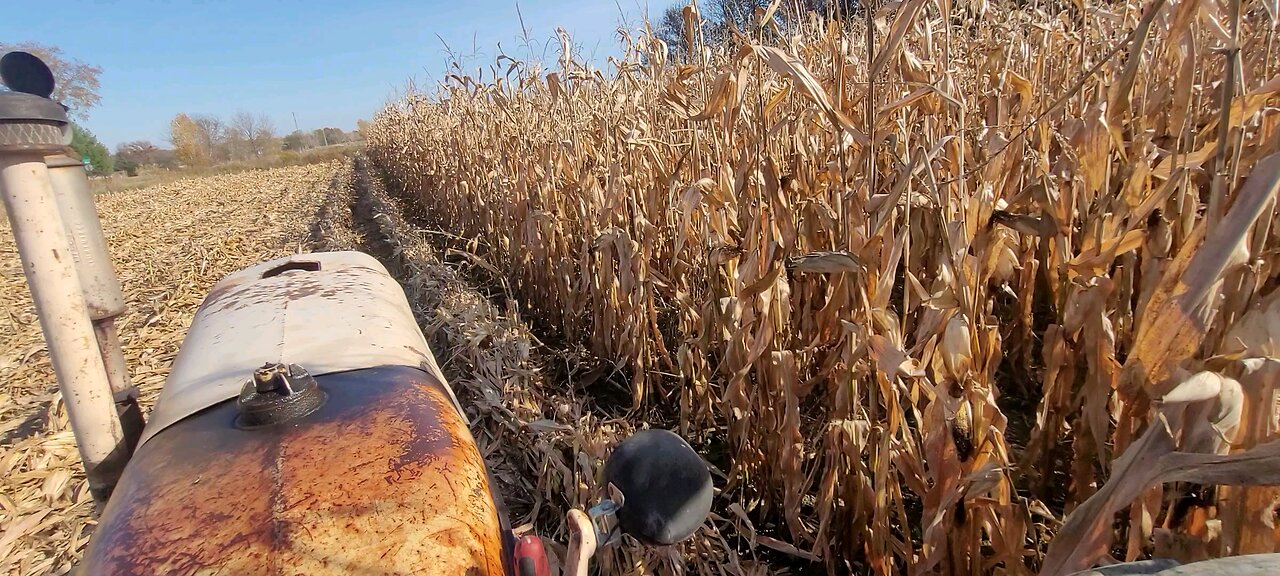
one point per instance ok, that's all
(530, 558)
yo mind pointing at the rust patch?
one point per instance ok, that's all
(424, 444)
(384, 479)
(218, 292)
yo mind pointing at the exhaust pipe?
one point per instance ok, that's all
(98, 283)
(31, 128)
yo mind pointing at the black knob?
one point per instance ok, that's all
(666, 487)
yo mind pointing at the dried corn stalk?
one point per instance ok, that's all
(914, 296)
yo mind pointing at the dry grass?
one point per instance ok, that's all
(170, 243)
(916, 296)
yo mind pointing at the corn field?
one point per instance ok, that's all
(979, 288)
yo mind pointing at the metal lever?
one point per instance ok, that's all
(592, 530)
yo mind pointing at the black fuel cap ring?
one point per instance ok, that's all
(277, 394)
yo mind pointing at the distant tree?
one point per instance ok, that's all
(191, 141)
(237, 136)
(213, 137)
(739, 15)
(76, 83)
(165, 158)
(88, 146)
(250, 136)
(131, 156)
(263, 137)
(362, 129)
(834, 8)
(328, 136)
(138, 152)
(295, 141)
(671, 31)
(719, 18)
(129, 167)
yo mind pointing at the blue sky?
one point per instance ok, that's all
(329, 62)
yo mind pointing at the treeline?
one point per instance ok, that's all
(203, 140)
(131, 156)
(203, 143)
(128, 158)
(298, 140)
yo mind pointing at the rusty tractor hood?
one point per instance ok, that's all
(372, 469)
(384, 478)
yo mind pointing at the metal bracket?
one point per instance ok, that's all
(604, 518)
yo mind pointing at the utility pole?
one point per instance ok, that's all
(298, 131)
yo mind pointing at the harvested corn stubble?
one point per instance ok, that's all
(170, 243)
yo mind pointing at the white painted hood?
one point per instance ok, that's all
(327, 312)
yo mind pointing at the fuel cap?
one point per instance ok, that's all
(277, 394)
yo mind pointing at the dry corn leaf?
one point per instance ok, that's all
(787, 64)
(905, 18)
(724, 87)
(1199, 387)
(1174, 321)
(1150, 460)
(1257, 333)
(825, 263)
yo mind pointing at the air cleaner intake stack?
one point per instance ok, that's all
(98, 282)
